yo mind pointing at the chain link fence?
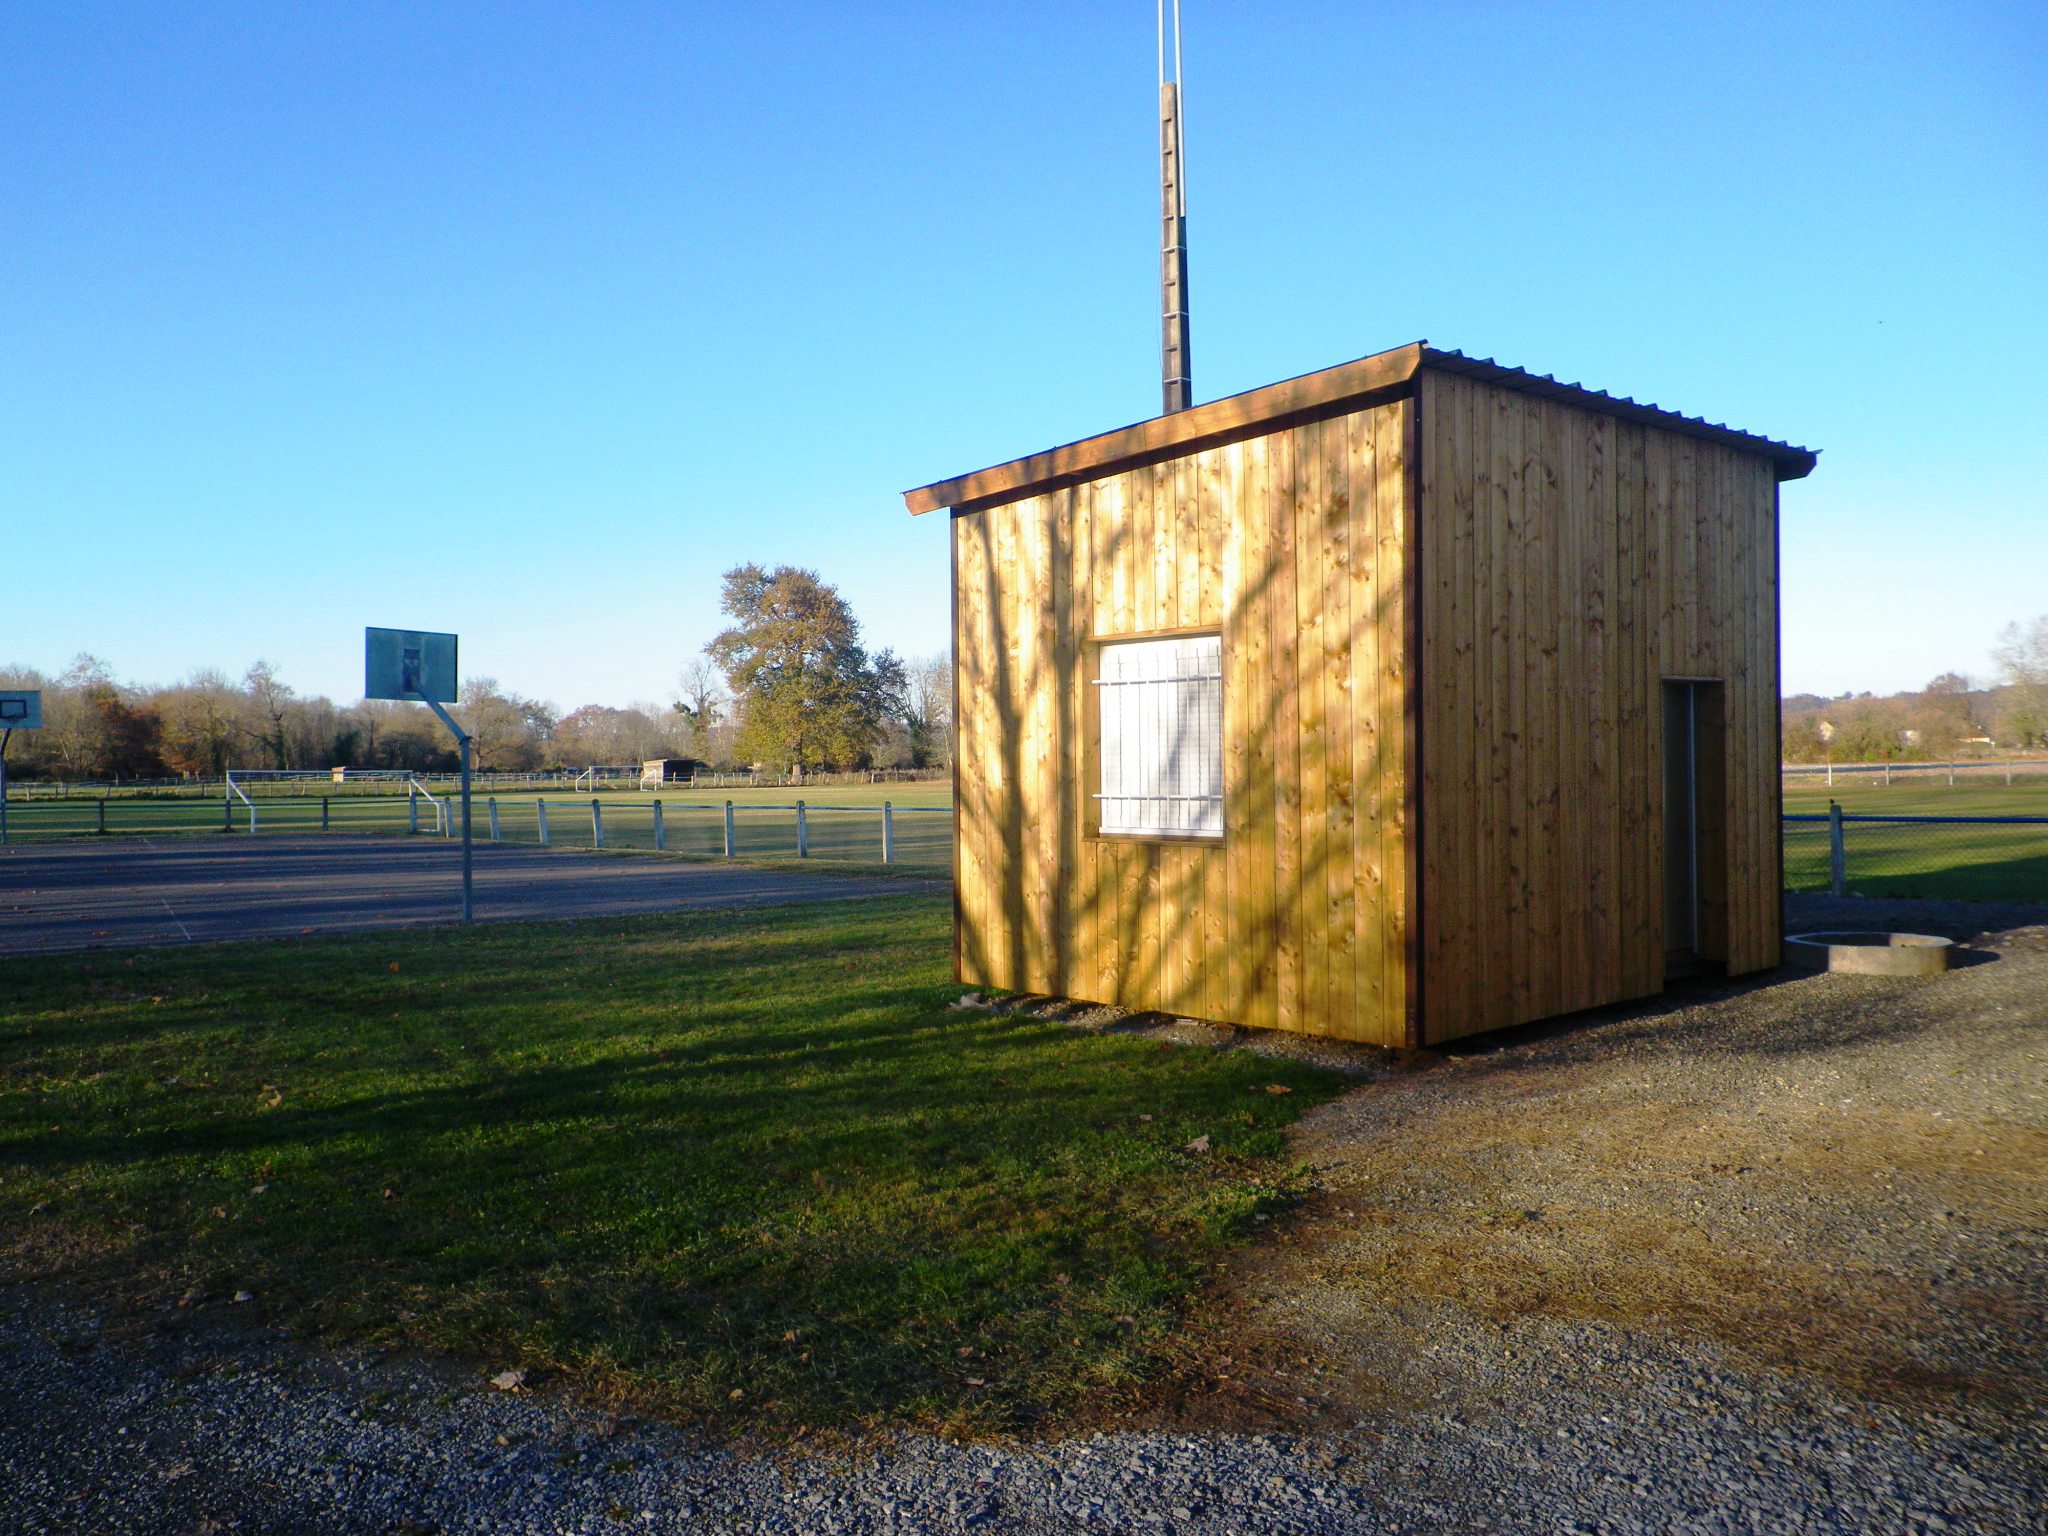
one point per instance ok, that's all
(1954, 858)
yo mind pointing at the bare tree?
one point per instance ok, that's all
(703, 704)
(928, 710)
(270, 704)
(2021, 657)
(199, 723)
(75, 734)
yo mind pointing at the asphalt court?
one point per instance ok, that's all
(73, 895)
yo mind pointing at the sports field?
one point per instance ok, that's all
(1935, 860)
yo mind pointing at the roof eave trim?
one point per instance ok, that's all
(1190, 431)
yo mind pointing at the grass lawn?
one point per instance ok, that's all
(736, 1167)
(1961, 863)
(1920, 796)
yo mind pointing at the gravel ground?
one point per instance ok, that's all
(1756, 1258)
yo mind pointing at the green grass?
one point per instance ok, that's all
(737, 1167)
(1920, 796)
(1961, 863)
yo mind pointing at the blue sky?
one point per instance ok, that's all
(527, 321)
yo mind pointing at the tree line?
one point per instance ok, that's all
(788, 686)
(1952, 716)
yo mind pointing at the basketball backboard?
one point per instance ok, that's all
(21, 709)
(409, 664)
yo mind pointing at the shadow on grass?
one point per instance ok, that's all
(680, 1158)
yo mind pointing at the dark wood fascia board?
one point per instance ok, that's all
(1311, 397)
(1332, 392)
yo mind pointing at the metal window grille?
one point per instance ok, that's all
(1162, 736)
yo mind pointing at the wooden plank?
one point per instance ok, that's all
(1109, 535)
(1084, 963)
(985, 938)
(1451, 683)
(1368, 736)
(1144, 550)
(1286, 644)
(1662, 650)
(1635, 649)
(1340, 873)
(1061, 840)
(1259, 935)
(1217, 538)
(1565, 437)
(1602, 939)
(1314, 730)
(1395, 493)
(963, 537)
(1234, 908)
(1449, 788)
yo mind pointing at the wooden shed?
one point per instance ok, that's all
(1396, 702)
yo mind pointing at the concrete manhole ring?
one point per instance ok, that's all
(1869, 954)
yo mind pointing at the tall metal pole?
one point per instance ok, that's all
(5, 737)
(462, 737)
(1175, 366)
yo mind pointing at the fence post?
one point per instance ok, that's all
(493, 804)
(324, 802)
(888, 835)
(596, 818)
(1951, 775)
(227, 812)
(1838, 856)
(1887, 770)
(660, 833)
(803, 833)
(728, 829)
(103, 814)
(540, 811)
(412, 808)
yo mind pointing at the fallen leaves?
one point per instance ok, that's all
(510, 1381)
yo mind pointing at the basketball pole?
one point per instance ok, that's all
(5, 737)
(463, 738)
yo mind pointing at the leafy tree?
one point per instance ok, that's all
(810, 694)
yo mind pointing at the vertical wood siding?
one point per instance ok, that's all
(1292, 545)
(1569, 561)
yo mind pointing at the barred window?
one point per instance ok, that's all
(1162, 736)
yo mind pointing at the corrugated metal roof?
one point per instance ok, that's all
(1798, 461)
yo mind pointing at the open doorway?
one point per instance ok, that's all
(1695, 826)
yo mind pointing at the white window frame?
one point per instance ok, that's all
(1159, 739)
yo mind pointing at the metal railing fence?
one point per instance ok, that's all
(915, 836)
(1964, 770)
(313, 783)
